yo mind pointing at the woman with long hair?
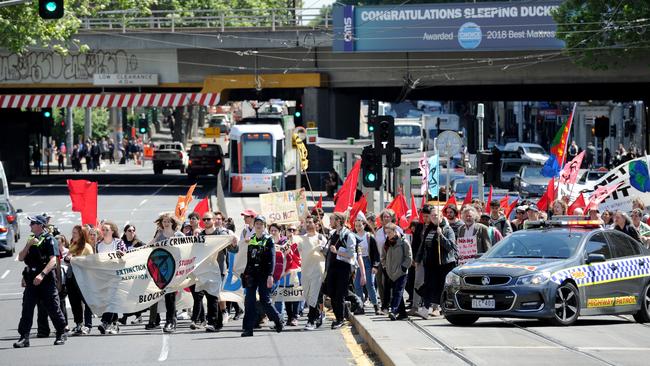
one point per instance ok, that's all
(79, 247)
(110, 242)
(131, 241)
(371, 260)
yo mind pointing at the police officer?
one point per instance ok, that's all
(258, 277)
(40, 284)
(41, 313)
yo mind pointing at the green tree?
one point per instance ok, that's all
(604, 33)
(99, 117)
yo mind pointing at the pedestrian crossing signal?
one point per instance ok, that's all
(143, 126)
(50, 9)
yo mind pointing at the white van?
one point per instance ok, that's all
(408, 135)
(4, 185)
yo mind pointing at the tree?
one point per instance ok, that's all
(604, 33)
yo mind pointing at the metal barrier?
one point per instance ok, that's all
(127, 20)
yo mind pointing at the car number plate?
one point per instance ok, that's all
(483, 304)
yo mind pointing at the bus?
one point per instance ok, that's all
(256, 157)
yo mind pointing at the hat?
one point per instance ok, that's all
(249, 212)
(533, 208)
(361, 216)
(44, 214)
(485, 215)
(38, 219)
(522, 208)
(259, 218)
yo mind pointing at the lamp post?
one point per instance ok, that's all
(480, 115)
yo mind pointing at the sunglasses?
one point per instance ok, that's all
(291, 230)
(34, 223)
(207, 219)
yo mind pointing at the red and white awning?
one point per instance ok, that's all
(108, 100)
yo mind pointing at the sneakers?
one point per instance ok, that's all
(169, 327)
(60, 339)
(392, 316)
(184, 316)
(402, 317)
(225, 315)
(238, 315)
(247, 333)
(293, 322)
(337, 324)
(23, 342)
(123, 320)
(279, 326)
(320, 320)
(137, 320)
(103, 327)
(77, 330)
(423, 313)
(378, 310)
(151, 326)
(197, 325)
(85, 330)
(412, 311)
(310, 326)
(113, 329)
(211, 328)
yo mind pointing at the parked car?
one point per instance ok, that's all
(170, 156)
(7, 237)
(460, 187)
(530, 182)
(508, 170)
(11, 215)
(205, 159)
(531, 152)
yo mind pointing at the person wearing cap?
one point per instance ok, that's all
(532, 212)
(520, 217)
(40, 285)
(43, 325)
(313, 250)
(371, 261)
(257, 278)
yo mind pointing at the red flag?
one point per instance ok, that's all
(503, 203)
(542, 204)
(400, 207)
(344, 198)
(424, 202)
(360, 205)
(550, 191)
(511, 207)
(201, 208)
(468, 197)
(414, 210)
(600, 194)
(578, 203)
(450, 201)
(83, 195)
(489, 200)
(319, 204)
(569, 173)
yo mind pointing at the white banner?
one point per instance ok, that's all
(636, 183)
(140, 278)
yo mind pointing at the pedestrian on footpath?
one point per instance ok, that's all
(436, 257)
(82, 315)
(387, 216)
(258, 277)
(110, 243)
(166, 228)
(40, 285)
(371, 261)
(396, 260)
(313, 249)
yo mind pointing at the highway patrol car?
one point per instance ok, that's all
(556, 270)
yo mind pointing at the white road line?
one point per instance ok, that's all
(143, 202)
(164, 350)
(11, 294)
(505, 347)
(68, 205)
(4, 275)
(16, 259)
(21, 196)
(36, 203)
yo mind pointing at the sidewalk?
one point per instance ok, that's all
(403, 342)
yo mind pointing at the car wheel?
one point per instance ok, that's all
(462, 320)
(567, 305)
(643, 315)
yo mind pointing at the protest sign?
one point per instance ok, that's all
(467, 249)
(284, 207)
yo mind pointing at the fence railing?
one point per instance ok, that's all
(221, 20)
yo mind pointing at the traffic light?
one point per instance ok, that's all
(371, 167)
(297, 115)
(385, 134)
(47, 121)
(601, 127)
(50, 9)
(143, 126)
(372, 122)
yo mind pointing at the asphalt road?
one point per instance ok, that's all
(135, 195)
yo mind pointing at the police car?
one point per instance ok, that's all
(556, 270)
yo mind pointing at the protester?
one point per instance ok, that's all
(396, 259)
(39, 256)
(498, 220)
(371, 261)
(194, 219)
(532, 212)
(387, 216)
(638, 203)
(130, 238)
(608, 218)
(436, 257)
(594, 215)
(473, 234)
(493, 233)
(623, 224)
(342, 252)
(559, 208)
(641, 227)
(520, 218)
(166, 227)
(110, 242)
(81, 313)
(292, 255)
(313, 249)
(415, 277)
(258, 277)
(61, 279)
(579, 211)
(451, 213)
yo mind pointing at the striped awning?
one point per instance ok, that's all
(108, 100)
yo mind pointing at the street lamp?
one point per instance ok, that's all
(480, 115)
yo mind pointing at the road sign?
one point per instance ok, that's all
(449, 143)
(312, 136)
(212, 132)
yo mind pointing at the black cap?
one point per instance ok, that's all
(39, 219)
(260, 218)
(533, 207)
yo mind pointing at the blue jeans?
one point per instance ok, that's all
(257, 284)
(370, 282)
(396, 289)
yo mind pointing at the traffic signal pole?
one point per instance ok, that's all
(480, 114)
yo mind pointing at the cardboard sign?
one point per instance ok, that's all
(467, 249)
(284, 207)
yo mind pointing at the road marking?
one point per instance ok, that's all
(20, 196)
(68, 205)
(360, 357)
(16, 259)
(164, 350)
(36, 203)
(614, 348)
(4, 275)
(505, 347)
(11, 294)
(143, 202)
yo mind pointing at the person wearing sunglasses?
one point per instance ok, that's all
(40, 285)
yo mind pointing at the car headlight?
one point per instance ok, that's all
(534, 279)
(452, 279)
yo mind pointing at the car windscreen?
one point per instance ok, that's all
(511, 167)
(536, 244)
(407, 131)
(463, 186)
(535, 150)
(204, 150)
(532, 172)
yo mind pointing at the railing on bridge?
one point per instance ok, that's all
(222, 20)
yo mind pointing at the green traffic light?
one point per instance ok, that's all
(371, 128)
(47, 114)
(297, 114)
(143, 130)
(51, 6)
(371, 177)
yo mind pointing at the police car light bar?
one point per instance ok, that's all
(570, 221)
